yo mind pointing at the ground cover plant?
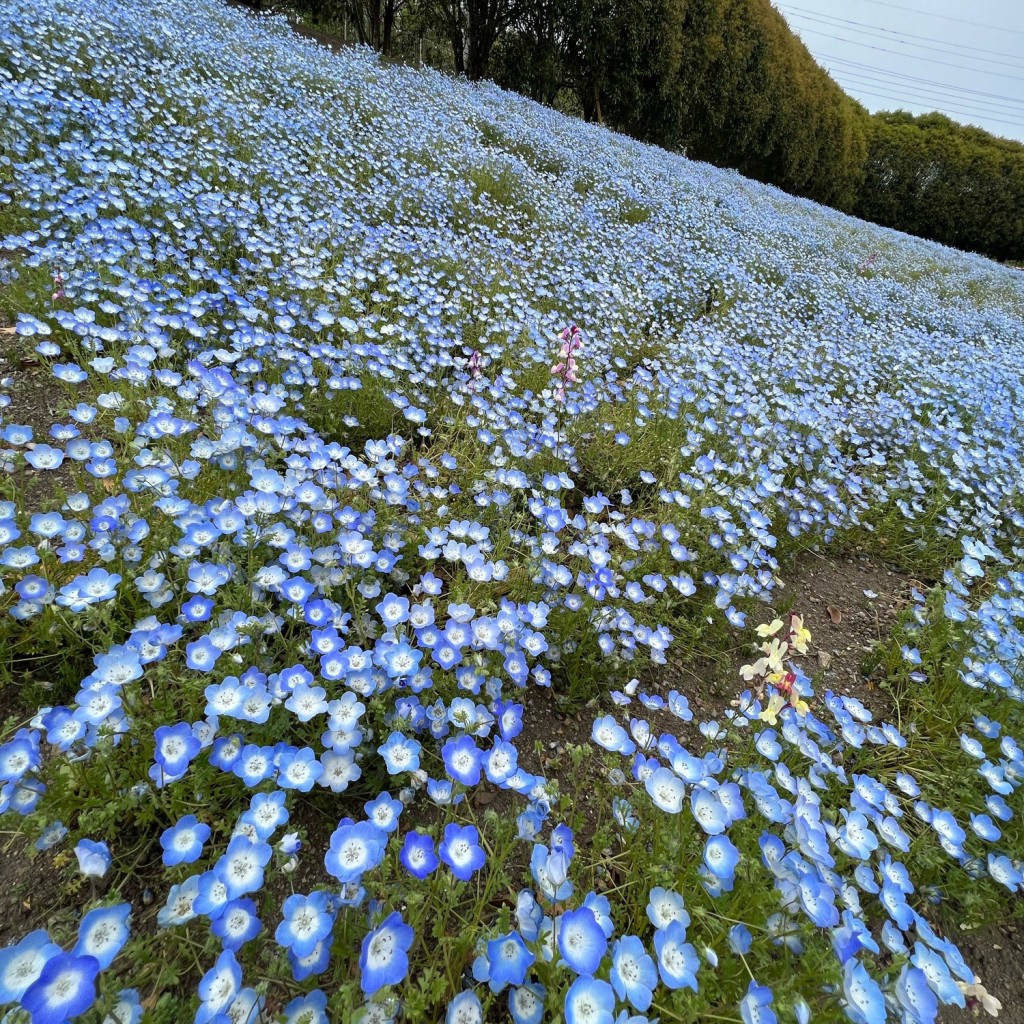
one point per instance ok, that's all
(383, 419)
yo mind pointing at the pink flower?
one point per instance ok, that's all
(566, 368)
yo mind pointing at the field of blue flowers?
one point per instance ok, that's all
(395, 415)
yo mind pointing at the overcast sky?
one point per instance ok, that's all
(965, 59)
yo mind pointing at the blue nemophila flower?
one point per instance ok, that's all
(400, 753)
(22, 963)
(460, 850)
(549, 874)
(127, 1009)
(756, 1005)
(93, 858)
(299, 770)
(581, 940)
(65, 988)
(740, 939)
(1002, 870)
(417, 856)
(508, 961)
(218, 987)
(102, 933)
(51, 835)
(633, 974)
(526, 1003)
(356, 847)
(266, 813)
(589, 1001)
(677, 959)
(383, 812)
(241, 866)
(180, 905)
(237, 923)
(43, 457)
(985, 827)
(721, 856)
(18, 756)
(306, 921)
(998, 807)
(176, 745)
(665, 906)
(500, 762)
(865, 1003)
(308, 1009)
(183, 842)
(711, 815)
(666, 790)
(465, 1008)
(463, 760)
(914, 994)
(609, 734)
(383, 958)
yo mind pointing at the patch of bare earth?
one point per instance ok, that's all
(996, 954)
(36, 401)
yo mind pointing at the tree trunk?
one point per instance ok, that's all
(458, 49)
(389, 27)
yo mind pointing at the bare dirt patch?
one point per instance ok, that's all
(850, 603)
(996, 954)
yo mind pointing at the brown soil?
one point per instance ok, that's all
(996, 954)
(38, 403)
(832, 594)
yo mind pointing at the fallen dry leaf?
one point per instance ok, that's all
(824, 659)
(834, 614)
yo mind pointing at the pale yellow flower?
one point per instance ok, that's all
(977, 991)
(800, 635)
(748, 672)
(770, 629)
(771, 713)
(774, 654)
(801, 707)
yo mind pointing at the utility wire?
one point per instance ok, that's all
(945, 17)
(907, 42)
(975, 118)
(913, 56)
(883, 75)
(911, 78)
(963, 113)
(924, 98)
(1017, 58)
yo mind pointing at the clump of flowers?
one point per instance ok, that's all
(566, 368)
(771, 670)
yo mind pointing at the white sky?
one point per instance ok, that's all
(965, 59)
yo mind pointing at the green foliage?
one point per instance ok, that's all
(727, 82)
(953, 183)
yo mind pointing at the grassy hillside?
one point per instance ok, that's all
(396, 473)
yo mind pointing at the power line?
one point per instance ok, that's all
(945, 17)
(924, 85)
(805, 12)
(912, 78)
(907, 42)
(952, 110)
(924, 99)
(912, 56)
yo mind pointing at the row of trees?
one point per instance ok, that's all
(954, 183)
(724, 80)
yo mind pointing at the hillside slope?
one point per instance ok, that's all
(357, 422)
